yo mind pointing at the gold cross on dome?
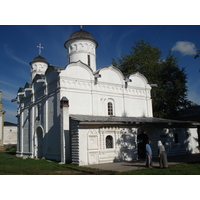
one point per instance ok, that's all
(40, 48)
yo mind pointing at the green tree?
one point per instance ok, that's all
(143, 58)
(171, 94)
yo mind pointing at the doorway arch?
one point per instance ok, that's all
(39, 142)
(142, 140)
(147, 132)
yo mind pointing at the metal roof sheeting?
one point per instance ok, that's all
(127, 120)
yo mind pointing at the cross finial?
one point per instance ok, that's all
(81, 27)
(40, 48)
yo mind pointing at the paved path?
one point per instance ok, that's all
(128, 166)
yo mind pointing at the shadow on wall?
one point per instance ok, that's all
(47, 145)
(131, 146)
(127, 145)
(177, 141)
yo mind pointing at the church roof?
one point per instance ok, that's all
(87, 119)
(81, 34)
(57, 68)
(21, 89)
(9, 124)
(38, 59)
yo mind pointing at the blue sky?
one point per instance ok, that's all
(18, 48)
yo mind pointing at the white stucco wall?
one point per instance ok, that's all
(52, 136)
(193, 140)
(92, 145)
(83, 147)
(88, 96)
(10, 135)
(38, 68)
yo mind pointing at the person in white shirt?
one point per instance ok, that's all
(162, 155)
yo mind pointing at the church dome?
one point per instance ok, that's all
(39, 59)
(81, 34)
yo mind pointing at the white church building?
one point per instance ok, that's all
(84, 115)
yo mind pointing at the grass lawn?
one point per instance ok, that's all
(12, 165)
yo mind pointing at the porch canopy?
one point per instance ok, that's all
(130, 121)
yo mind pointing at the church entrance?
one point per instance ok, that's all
(142, 140)
(147, 132)
(39, 143)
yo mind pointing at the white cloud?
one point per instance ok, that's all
(8, 96)
(185, 48)
(10, 54)
(8, 84)
(121, 39)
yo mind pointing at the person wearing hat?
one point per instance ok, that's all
(162, 155)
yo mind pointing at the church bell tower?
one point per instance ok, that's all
(39, 65)
(81, 46)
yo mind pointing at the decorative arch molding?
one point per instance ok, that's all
(138, 74)
(78, 70)
(81, 46)
(110, 74)
(39, 127)
(72, 48)
(80, 64)
(109, 142)
(137, 79)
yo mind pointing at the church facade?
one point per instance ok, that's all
(84, 115)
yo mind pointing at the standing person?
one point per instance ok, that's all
(162, 155)
(148, 154)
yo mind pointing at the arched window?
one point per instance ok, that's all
(109, 142)
(110, 108)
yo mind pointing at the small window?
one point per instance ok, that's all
(88, 60)
(38, 112)
(109, 142)
(110, 108)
